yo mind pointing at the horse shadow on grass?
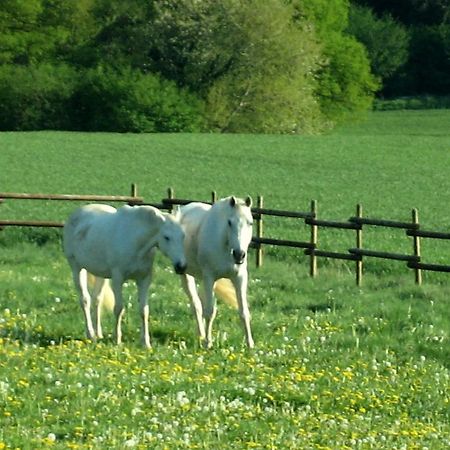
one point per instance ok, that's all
(322, 307)
(42, 338)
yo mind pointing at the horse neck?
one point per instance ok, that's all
(217, 221)
(153, 226)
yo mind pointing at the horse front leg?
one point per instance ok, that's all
(188, 283)
(240, 283)
(98, 293)
(80, 281)
(143, 285)
(119, 310)
(209, 308)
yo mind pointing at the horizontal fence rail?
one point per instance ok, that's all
(355, 224)
(132, 199)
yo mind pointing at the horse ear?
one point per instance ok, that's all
(176, 212)
(233, 201)
(249, 201)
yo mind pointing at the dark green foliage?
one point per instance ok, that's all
(279, 66)
(412, 12)
(129, 101)
(35, 97)
(386, 41)
(345, 86)
(428, 63)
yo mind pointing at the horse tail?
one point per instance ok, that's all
(106, 295)
(224, 289)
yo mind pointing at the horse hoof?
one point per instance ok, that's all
(207, 345)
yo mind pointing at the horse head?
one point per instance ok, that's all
(171, 242)
(239, 227)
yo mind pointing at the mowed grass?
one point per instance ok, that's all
(335, 366)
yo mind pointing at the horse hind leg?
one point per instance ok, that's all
(119, 310)
(99, 291)
(81, 284)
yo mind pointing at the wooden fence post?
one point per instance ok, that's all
(313, 258)
(416, 245)
(133, 189)
(170, 196)
(259, 231)
(359, 263)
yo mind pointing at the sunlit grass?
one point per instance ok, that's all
(335, 366)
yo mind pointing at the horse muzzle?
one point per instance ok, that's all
(180, 268)
(239, 256)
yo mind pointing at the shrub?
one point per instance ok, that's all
(346, 86)
(35, 97)
(129, 101)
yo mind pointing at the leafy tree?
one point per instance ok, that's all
(411, 12)
(19, 40)
(386, 41)
(426, 70)
(428, 67)
(346, 85)
(33, 31)
(246, 57)
(121, 37)
(257, 66)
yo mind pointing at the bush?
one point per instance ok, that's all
(35, 97)
(346, 86)
(419, 102)
(129, 101)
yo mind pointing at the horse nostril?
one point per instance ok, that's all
(239, 256)
(180, 268)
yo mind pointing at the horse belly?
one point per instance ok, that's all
(89, 245)
(93, 258)
(138, 265)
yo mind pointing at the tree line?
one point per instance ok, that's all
(272, 66)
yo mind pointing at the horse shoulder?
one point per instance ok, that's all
(137, 231)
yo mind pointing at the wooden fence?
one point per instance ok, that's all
(310, 247)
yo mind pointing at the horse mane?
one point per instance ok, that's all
(148, 214)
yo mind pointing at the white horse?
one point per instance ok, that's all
(119, 244)
(216, 242)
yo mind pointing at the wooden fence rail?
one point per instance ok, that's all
(354, 224)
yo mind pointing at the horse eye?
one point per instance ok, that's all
(229, 222)
(167, 238)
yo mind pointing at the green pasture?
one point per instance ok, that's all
(335, 366)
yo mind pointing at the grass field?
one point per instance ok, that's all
(335, 367)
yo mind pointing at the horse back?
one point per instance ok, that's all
(85, 221)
